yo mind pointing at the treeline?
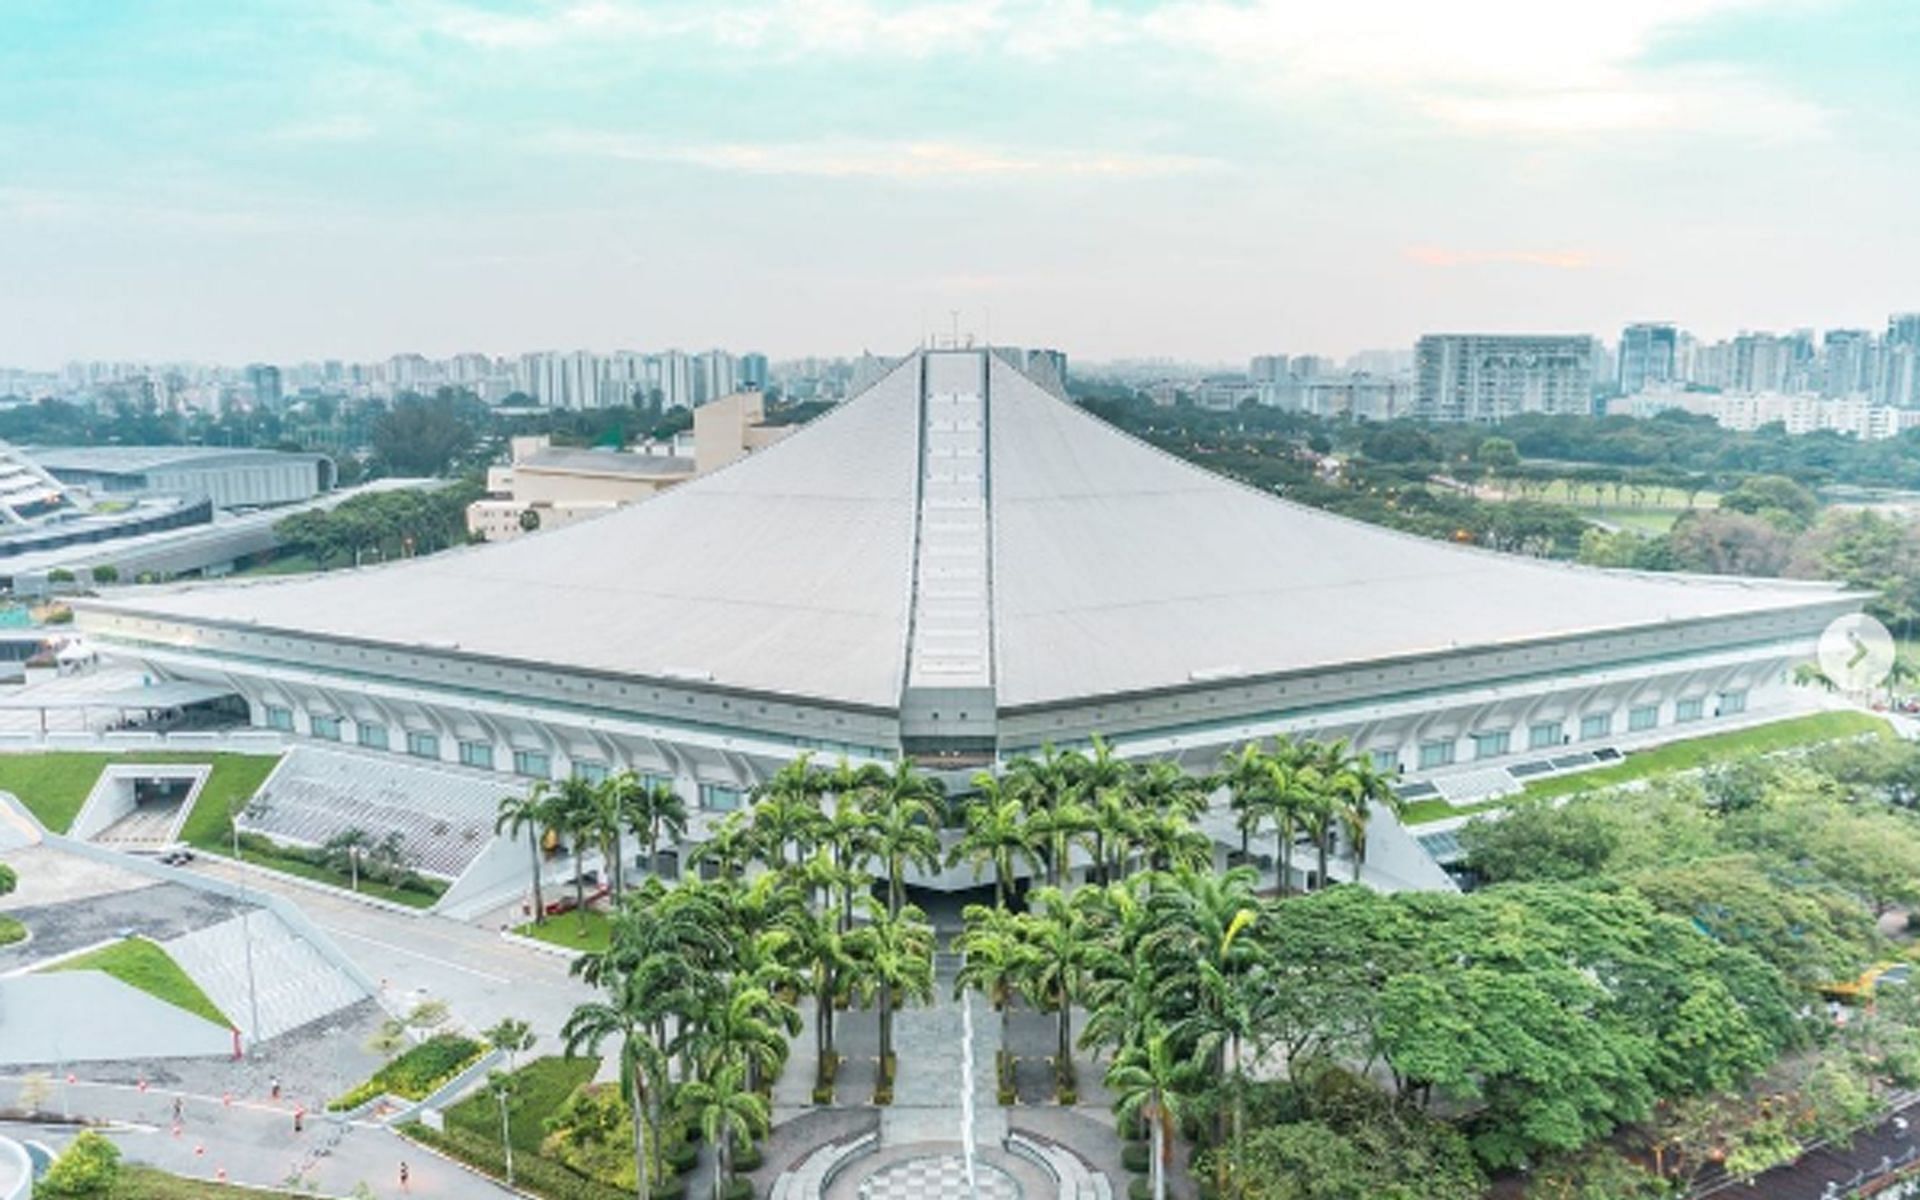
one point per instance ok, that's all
(381, 525)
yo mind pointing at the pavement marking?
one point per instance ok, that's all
(439, 962)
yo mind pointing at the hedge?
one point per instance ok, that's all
(416, 1074)
(531, 1173)
(1136, 1156)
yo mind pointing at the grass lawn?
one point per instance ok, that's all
(259, 852)
(145, 1183)
(143, 964)
(54, 785)
(11, 931)
(540, 1087)
(1687, 755)
(564, 930)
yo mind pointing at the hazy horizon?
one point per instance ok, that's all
(1199, 180)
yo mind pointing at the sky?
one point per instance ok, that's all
(279, 180)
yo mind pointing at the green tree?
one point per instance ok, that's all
(893, 965)
(528, 813)
(1150, 1086)
(87, 1167)
(725, 1109)
(995, 836)
(904, 826)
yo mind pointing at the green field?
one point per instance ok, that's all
(1654, 513)
(564, 930)
(139, 963)
(261, 853)
(54, 785)
(1689, 755)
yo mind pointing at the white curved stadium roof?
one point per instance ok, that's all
(1112, 568)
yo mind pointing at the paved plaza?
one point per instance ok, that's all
(938, 1178)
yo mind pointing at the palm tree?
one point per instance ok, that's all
(995, 959)
(996, 833)
(1359, 785)
(730, 845)
(1248, 774)
(829, 960)
(848, 833)
(893, 963)
(1149, 1084)
(1170, 842)
(576, 816)
(725, 1108)
(904, 826)
(1294, 786)
(627, 1017)
(786, 812)
(1113, 826)
(659, 815)
(1047, 787)
(345, 849)
(741, 1025)
(610, 806)
(1059, 932)
(530, 812)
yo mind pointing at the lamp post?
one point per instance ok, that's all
(502, 1084)
(246, 934)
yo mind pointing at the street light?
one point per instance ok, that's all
(502, 1085)
(246, 932)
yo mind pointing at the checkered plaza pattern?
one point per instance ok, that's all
(942, 1178)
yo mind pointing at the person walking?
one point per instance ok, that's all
(405, 1176)
(178, 1107)
(273, 1086)
(299, 1118)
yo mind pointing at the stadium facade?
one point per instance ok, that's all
(960, 565)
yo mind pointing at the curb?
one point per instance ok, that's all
(548, 948)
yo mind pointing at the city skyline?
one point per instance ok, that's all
(1197, 180)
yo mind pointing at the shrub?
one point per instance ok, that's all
(418, 1073)
(1135, 1157)
(539, 1176)
(87, 1167)
(1008, 1097)
(1139, 1188)
(11, 931)
(106, 573)
(737, 1189)
(747, 1158)
(683, 1157)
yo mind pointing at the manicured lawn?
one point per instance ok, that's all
(539, 1089)
(417, 1073)
(564, 930)
(1688, 755)
(281, 564)
(54, 785)
(143, 964)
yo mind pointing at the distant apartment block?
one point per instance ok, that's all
(1647, 356)
(1486, 378)
(1355, 395)
(1797, 413)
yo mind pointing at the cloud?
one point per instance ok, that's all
(1444, 257)
(325, 130)
(906, 160)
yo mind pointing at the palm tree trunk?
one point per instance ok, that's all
(1159, 1163)
(1064, 1063)
(896, 895)
(643, 1173)
(1359, 841)
(539, 899)
(1320, 847)
(579, 884)
(886, 1033)
(1283, 855)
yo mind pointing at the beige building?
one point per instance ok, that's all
(547, 486)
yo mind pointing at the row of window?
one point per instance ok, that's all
(1545, 735)
(535, 764)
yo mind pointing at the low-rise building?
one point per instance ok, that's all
(547, 486)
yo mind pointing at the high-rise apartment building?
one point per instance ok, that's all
(1267, 368)
(753, 371)
(1847, 362)
(1491, 377)
(1648, 352)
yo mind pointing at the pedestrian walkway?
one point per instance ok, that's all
(293, 982)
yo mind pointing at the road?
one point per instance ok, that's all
(481, 976)
(251, 1142)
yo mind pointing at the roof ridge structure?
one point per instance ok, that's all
(955, 542)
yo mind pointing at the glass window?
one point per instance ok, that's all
(327, 728)
(717, 797)
(1690, 710)
(374, 737)
(423, 745)
(1492, 745)
(1646, 716)
(477, 754)
(1733, 702)
(589, 770)
(532, 762)
(1435, 754)
(1596, 725)
(1542, 735)
(1386, 760)
(279, 718)
(649, 780)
